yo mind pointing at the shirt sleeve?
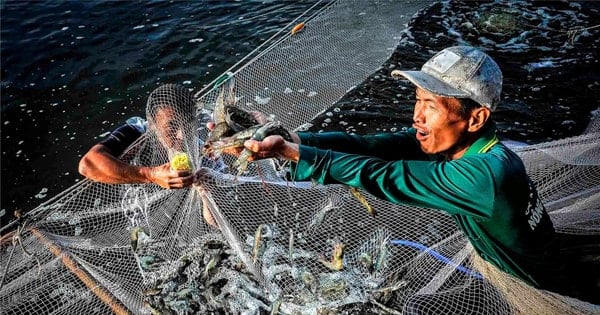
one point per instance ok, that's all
(386, 146)
(462, 186)
(121, 138)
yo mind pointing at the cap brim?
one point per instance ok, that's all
(429, 83)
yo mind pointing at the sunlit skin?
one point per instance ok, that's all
(170, 135)
(441, 129)
(168, 130)
(100, 165)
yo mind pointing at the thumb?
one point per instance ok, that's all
(252, 145)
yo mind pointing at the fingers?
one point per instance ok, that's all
(253, 145)
(269, 147)
(177, 179)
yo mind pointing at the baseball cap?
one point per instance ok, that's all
(461, 72)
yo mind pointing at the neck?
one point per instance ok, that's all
(458, 150)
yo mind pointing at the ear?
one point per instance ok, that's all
(479, 116)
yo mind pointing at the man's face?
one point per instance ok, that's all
(440, 127)
(168, 129)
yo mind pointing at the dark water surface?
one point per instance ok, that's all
(548, 52)
(73, 71)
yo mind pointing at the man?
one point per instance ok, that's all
(102, 164)
(449, 160)
(171, 114)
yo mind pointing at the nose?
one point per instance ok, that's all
(418, 116)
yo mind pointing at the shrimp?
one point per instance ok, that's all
(356, 193)
(337, 258)
(270, 128)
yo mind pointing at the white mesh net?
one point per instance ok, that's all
(99, 248)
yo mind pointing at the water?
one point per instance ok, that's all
(73, 71)
(548, 52)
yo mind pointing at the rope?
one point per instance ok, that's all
(17, 239)
(242, 20)
(12, 251)
(438, 256)
(44, 206)
(271, 46)
(94, 287)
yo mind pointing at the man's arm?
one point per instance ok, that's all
(449, 186)
(100, 165)
(464, 186)
(101, 162)
(386, 146)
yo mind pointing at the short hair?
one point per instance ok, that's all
(175, 96)
(467, 105)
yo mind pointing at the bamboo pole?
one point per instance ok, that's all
(103, 294)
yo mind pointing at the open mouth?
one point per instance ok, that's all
(422, 133)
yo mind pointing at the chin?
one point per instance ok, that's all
(426, 151)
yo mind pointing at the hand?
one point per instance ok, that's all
(273, 146)
(165, 177)
(235, 150)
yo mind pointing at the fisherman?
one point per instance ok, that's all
(171, 117)
(449, 160)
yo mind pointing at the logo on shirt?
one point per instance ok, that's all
(535, 208)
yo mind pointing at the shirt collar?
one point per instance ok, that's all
(487, 140)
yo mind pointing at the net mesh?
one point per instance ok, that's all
(258, 243)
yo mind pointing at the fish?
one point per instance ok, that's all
(356, 193)
(268, 129)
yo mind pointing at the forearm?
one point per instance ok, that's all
(386, 146)
(99, 165)
(422, 183)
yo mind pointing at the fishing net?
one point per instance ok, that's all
(258, 242)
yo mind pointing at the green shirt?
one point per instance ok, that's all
(487, 191)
